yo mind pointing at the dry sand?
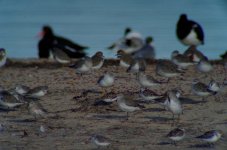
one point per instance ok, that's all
(71, 97)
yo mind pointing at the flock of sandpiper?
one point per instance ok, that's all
(189, 32)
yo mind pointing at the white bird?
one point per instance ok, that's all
(100, 140)
(210, 136)
(174, 104)
(126, 104)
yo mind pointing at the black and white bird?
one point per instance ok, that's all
(189, 32)
(211, 136)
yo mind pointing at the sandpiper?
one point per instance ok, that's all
(211, 136)
(9, 101)
(148, 95)
(100, 140)
(147, 51)
(176, 134)
(173, 104)
(201, 89)
(137, 65)
(125, 59)
(126, 104)
(106, 80)
(148, 80)
(167, 69)
(60, 56)
(194, 54)
(97, 60)
(22, 89)
(3, 57)
(36, 109)
(37, 92)
(189, 32)
(204, 66)
(83, 65)
(181, 60)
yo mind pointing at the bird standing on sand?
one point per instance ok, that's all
(181, 60)
(125, 59)
(100, 140)
(201, 89)
(211, 136)
(194, 54)
(106, 80)
(37, 92)
(126, 104)
(147, 51)
(60, 56)
(147, 80)
(204, 66)
(97, 60)
(36, 109)
(50, 41)
(189, 32)
(137, 65)
(3, 57)
(22, 89)
(148, 95)
(167, 69)
(8, 100)
(176, 134)
(83, 65)
(174, 104)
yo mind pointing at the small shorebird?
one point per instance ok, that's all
(211, 136)
(83, 65)
(201, 89)
(9, 101)
(147, 51)
(97, 60)
(37, 92)
(181, 60)
(3, 57)
(173, 104)
(189, 32)
(60, 56)
(106, 80)
(100, 140)
(176, 134)
(126, 104)
(194, 54)
(167, 69)
(204, 66)
(125, 59)
(214, 86)
(147, 80)
(37, 110)
(149, 95)
(137, 65)
(22, 89)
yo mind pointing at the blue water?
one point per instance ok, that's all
(97, 23)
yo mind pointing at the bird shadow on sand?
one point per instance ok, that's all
(206, 145)
(164, 143)
(154, 110)
(6, 110)
(109, 117)
(22, 120)
(185, 100)
(159, 119)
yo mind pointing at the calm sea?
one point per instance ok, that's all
(97, 23)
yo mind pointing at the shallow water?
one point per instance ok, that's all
(98, 23)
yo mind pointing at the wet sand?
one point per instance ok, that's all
(71, 98)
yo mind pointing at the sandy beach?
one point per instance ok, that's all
(73, 117)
